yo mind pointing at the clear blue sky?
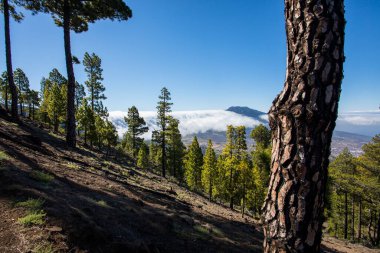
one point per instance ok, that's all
(211, 54)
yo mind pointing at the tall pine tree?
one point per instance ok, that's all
(163, 110)
(136, 127)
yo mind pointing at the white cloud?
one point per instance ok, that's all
(361, 118)
(191, 122)
(201, 121)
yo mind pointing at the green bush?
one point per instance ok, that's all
(32, 204)
(41, 176)
(33, 218)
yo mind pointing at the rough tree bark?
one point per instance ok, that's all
(8, 56)
(302, 119)
(70, 122)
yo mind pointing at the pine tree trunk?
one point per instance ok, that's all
(243, 205)
(210, 190)
(8, 56)
(360, 220)
(6, 96)
(345, 216)
(302, 120)
(55, 124)
(163, 158)
(378, 231)
(70, 122)
(353, 219)
(33, 111)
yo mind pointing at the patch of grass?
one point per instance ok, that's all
(73, 166)
(33, 218)
(102, 203)
(44, 248)
(41, 176)
(217, 232)
(3, 156)
(201, 229)
(32, 204)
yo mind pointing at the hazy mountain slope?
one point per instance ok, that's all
(93, 204)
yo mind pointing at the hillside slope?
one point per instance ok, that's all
(97, 205)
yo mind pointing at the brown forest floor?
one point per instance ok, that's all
(99, 205)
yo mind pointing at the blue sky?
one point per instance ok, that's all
(210, 54)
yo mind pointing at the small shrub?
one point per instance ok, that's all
(32, 204)
(200, 229)
(3, 156)
(33, 218)
(102, 203)
(44, 248)
(41, 176)
(73, 166)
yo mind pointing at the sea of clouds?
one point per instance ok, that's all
(201, 121)
(191, 122)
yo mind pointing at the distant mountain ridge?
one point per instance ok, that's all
(212, 124)
(246, 111)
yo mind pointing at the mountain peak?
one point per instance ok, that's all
(246, 111)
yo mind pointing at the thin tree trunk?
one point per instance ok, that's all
(360, 220)
(370, 228)
(378, 231)
(56, 124)
(232, 203)
(70, 122)
(353, 219)
(8, 56)
(345, 216)
(33, 111)
(302, 120)
(210, 190)
(163, 159)
(6, 96)
(243, 206)
(85, 136)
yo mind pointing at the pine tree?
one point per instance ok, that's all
(56, 77)
(79, 95)
(175, 150)
(76, 15)
(9, 10)
(86, 121)
(194, 163)
(136, 127)
(245, 178)
(56, 106)
(22, 84)
(261, 135)
(143, 157)
(35, 102)
(155, 150)
(163, 110)
(4, 89)
(302, 119)
(209, 171)
(94, 84)
(109, 136)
